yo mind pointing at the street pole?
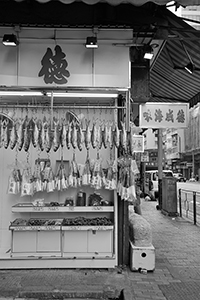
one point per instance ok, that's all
(160, 168)
(193, 175)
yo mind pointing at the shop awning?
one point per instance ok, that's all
(134, 2)
(169, 80)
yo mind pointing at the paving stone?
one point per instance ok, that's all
(181, 291)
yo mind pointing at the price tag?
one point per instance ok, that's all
(38, 208)
(20, 228)
(34, 227)
(50, 227)
(97, 207)
(70, 207)
(53, 208)
(74, 227)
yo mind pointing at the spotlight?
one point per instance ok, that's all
(190, 67)
(148, 52)
(91, 42)
(10, 40)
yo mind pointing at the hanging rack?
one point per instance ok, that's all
(62, 106)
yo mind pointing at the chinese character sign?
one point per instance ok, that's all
(164, 115)
(137, 143)
(54, 66)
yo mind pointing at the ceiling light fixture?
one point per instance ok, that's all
(148, 52)
(10, 40)
(91, 42)
(83, 95)
(20, 93)
(190, 67)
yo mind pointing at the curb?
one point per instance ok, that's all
(111, 294)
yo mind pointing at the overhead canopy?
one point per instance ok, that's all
(134, 2)
(169, 80)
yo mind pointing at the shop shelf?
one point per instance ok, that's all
(29, 207)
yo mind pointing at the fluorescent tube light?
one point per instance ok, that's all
(83, 95)
(190, 68)
(20, 93)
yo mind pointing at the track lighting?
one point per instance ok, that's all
(91, 42)
(10, 40)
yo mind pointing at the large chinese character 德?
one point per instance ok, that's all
(54, 67)
(158, 115)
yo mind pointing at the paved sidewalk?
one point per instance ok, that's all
(176, 276)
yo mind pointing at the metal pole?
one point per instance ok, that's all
(180, 206)
(63, 106)
(160, 172)
(194, 208)
(193, 175)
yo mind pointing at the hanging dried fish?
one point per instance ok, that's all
(13, 136)
(74, 173)
(40, 136)
(105, 136)
(35, 134)
(37, 178)
(48, 137)
(74, 135)
(6, 133)
(99, 136)
(80, 137)
(63, 135)
(27, 134)
(20, 133)
(110, 136)
(123, 136)
(1, 135)
(94, 135)
(116, 136)
(98, 177)
(68, 135)
(87, 171)
(61, 180)
(56, 136)
(87, 135)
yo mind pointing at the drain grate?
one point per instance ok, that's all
(181, 291)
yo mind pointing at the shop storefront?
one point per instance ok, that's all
(60, 138)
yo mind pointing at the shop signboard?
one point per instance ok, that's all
(47, 64)
(164, 115)
(138, 143)
(145, 156)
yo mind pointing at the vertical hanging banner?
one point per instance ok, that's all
(164, 115)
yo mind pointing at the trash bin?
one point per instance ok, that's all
(169, 196)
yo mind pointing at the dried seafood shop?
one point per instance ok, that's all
(61, 128)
